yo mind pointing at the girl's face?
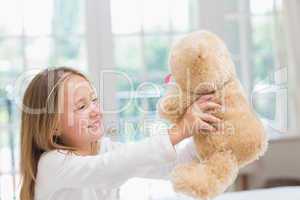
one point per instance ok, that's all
(80, 121)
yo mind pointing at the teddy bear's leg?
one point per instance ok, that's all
(208, 179)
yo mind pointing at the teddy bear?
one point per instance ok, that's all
(201, 64)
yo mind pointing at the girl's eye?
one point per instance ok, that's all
(81, 107)
(95, 99)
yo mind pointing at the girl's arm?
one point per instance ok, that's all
(59, 170)
(185, 152)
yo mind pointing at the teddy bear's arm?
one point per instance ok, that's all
(173, 105)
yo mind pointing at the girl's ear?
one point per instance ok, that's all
(57, 128)
(57, 131)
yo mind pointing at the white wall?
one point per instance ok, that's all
(282, 160)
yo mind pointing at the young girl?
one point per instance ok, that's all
(64, 154)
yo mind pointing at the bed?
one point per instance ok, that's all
(280, 193)
(162, 190)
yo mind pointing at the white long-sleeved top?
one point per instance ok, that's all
(62, 175)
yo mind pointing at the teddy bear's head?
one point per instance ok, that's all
(200, 63)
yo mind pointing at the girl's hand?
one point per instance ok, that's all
(196, 119)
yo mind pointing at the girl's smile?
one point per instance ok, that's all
(81, 120)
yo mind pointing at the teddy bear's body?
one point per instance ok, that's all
(201, 64)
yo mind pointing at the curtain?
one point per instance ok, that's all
(291, 16)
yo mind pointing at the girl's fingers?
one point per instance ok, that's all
(206, 127)
(204, 98)
(210, 118)
(209, 105)
(221, 127)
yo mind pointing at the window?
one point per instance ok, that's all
(142, 42)
(255, 35)
(33, 35)
(252, 30)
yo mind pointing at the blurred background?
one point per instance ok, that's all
(134, 37)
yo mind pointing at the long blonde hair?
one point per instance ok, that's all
(38, 122)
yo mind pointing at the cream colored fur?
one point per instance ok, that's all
(201, 64)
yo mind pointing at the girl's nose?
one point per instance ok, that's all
(95, 110)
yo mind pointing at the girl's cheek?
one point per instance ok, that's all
(81, 122)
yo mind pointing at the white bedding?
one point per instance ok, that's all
(281, 193)
(139, 189)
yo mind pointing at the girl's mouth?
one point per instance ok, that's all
(94, 125)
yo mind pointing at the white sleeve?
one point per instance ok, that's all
(110, 169)
(186, 152)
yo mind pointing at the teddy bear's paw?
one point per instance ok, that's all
(208, 179)
(181, 177)
(169, 109)
(193, 180)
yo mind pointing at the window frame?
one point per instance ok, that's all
(101, 33)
